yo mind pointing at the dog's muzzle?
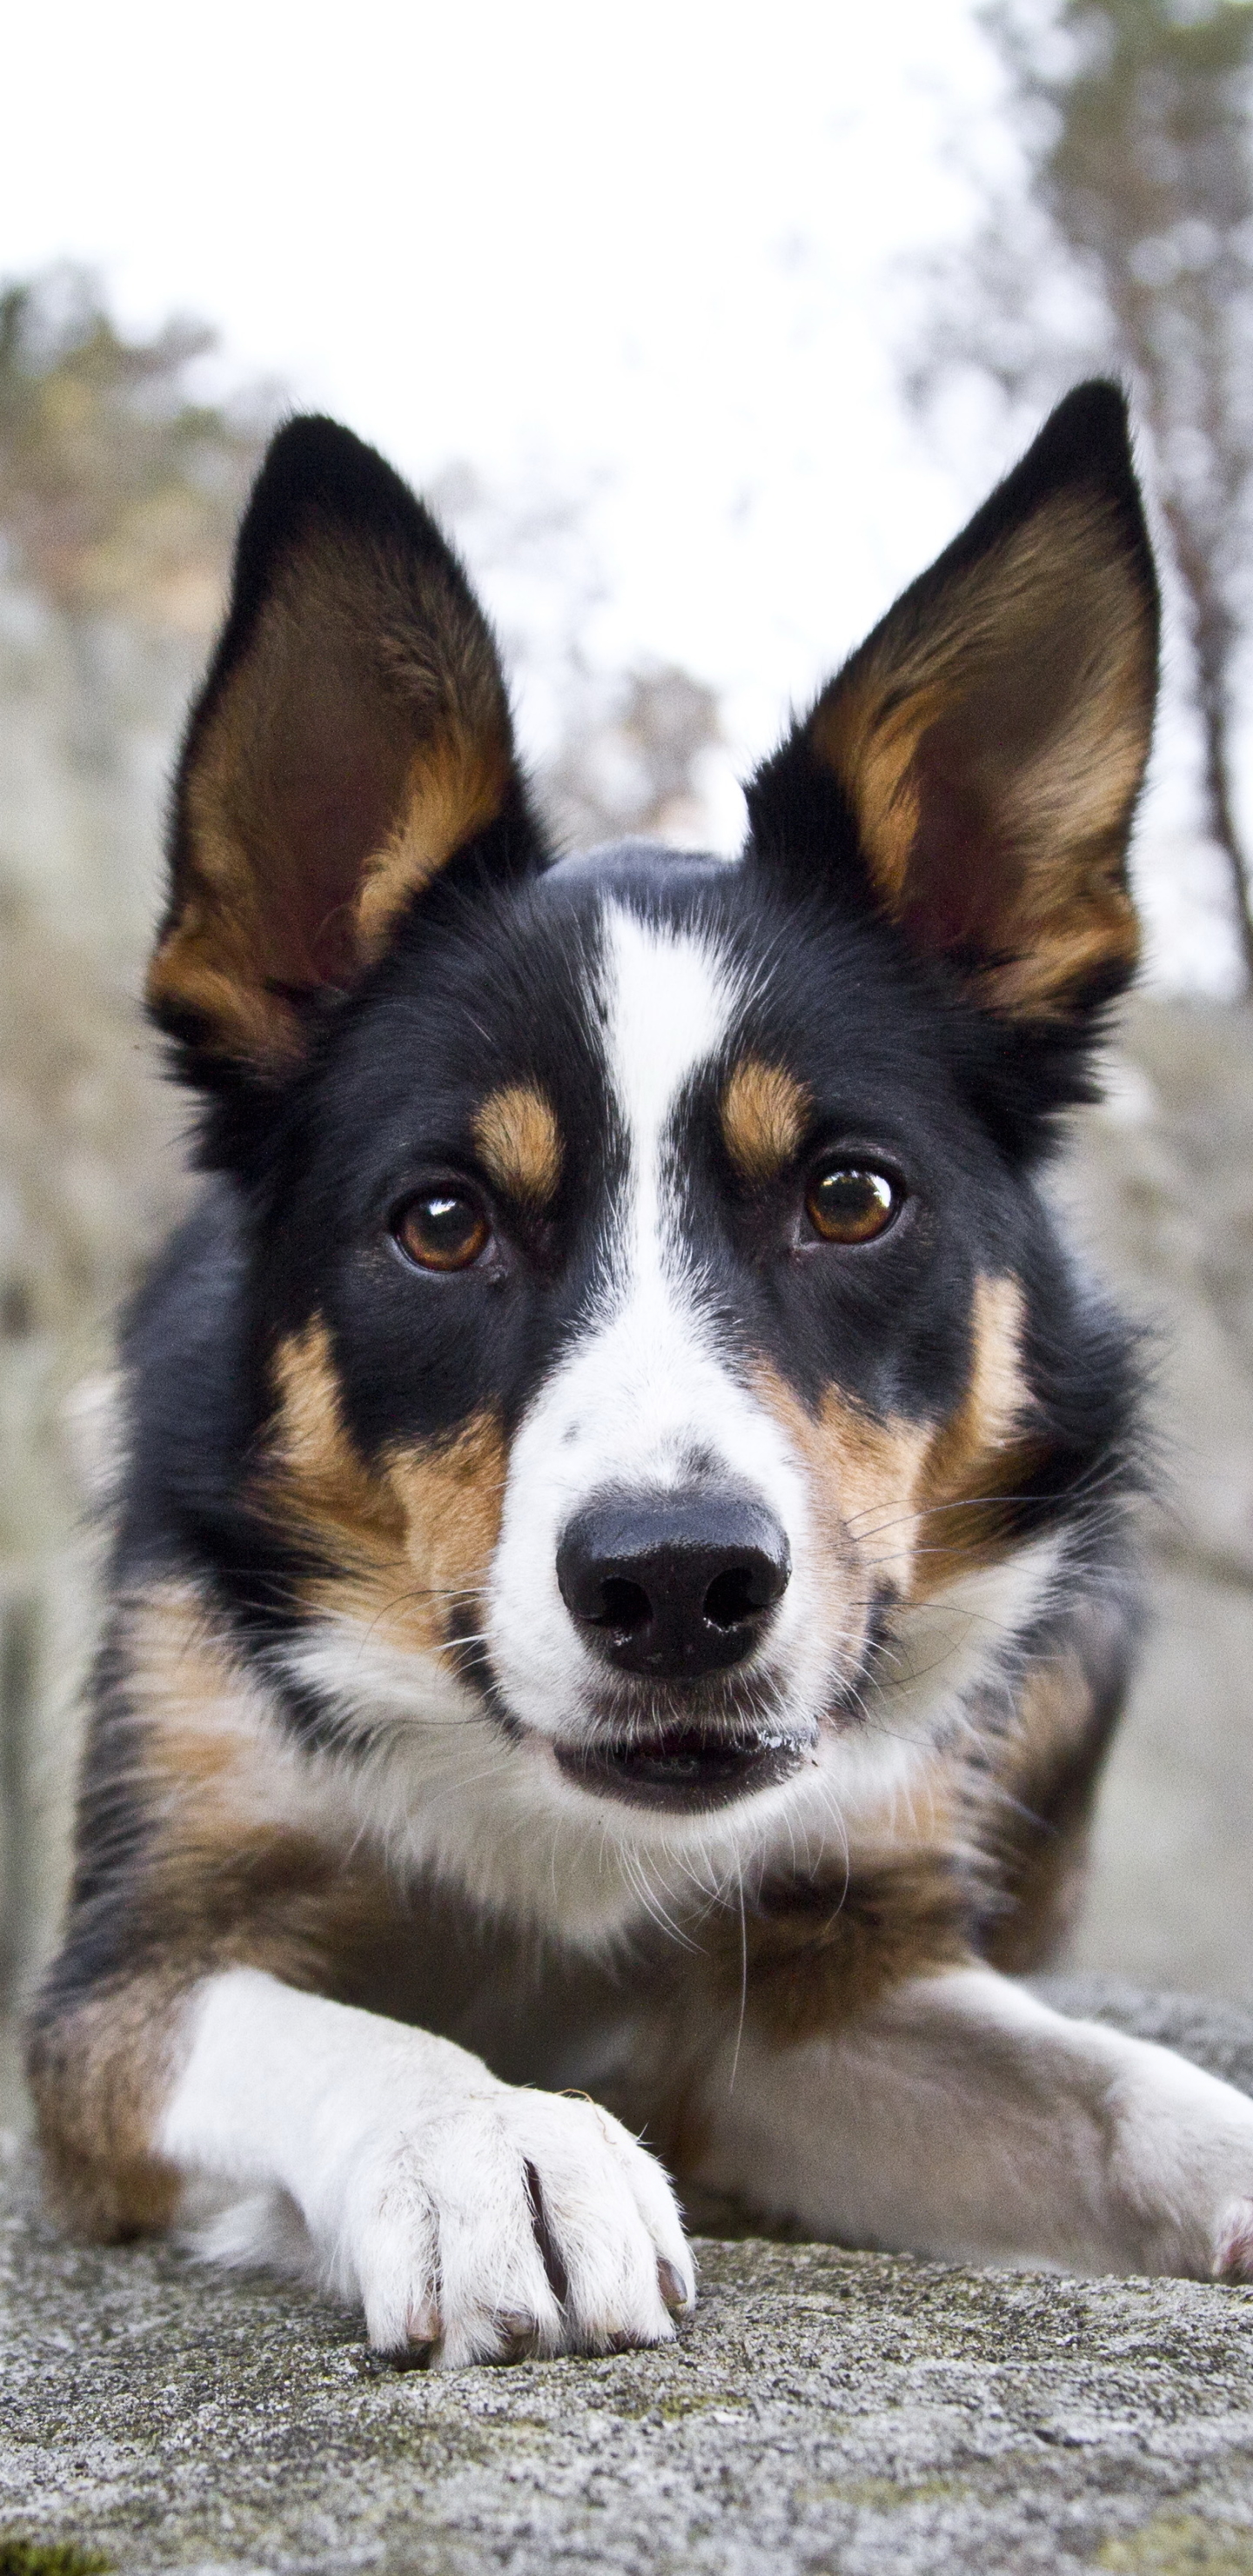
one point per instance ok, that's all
(673, 1588)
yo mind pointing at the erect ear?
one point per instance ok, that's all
(352, 736)
(974, 768)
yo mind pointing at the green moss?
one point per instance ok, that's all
(1181, 2545)
(887, 2495)
(48, 2558)
(882, 2495)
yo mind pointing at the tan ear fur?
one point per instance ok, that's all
(356, 738)
(974, 768)
(992, 753)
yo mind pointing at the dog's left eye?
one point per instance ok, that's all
(851, 1203)
(442, 1230)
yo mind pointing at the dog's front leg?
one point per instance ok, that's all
(468, 2216)
(465, 2214)
(962, 2117)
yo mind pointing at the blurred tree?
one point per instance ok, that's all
(118, 491)
(1134, 119)
(633, 767)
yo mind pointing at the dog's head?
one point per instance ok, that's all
(665, 1359)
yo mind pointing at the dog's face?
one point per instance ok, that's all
(667, 1370)
(669, 1190)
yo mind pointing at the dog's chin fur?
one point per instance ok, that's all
(622, 1570)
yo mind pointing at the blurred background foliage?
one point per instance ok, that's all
(118, 496)
(1123, 241)
(118, 492)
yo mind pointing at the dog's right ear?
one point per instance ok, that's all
(353, 737)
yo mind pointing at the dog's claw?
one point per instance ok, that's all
(673, 2289)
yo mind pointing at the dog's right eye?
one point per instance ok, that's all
(442, 1230)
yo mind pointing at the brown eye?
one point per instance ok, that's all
(443, 1231)
(849, 1204)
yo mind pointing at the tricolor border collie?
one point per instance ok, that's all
(623, 1577)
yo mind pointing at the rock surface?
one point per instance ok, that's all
(826, 2414)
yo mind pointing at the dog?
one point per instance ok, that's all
(625, 1569)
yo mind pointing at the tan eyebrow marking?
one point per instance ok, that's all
(764, 1110)
(519, 1142)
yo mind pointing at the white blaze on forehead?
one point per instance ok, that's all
(670, 999)
(649, 1394)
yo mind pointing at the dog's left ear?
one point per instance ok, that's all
(974, 768)
(352, 738)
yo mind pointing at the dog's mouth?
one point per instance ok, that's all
(682, 1769)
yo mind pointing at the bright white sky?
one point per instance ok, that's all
(645, 251)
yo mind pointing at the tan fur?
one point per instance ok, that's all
(983, 1452)
(454, 789)
(917, 1502)
(313, 1479)
(203, 971)
(246, 1858)
(1036, 1831)
(362, 739)
(251, 1854)
(764, 1111)
(210, 1748)
(519, 1143)
(452, 1495)
(411, 1541)
(818, 1956)
(1045, 750)
(863, 1478)
(99, 2075)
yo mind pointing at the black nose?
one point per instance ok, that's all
(673, 1585)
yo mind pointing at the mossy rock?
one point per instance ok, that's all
(20, 2557)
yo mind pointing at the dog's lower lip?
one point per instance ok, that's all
(683, 1768)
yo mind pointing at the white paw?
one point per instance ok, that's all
(1184, 2164)
(472, 2220)
(511, 2223)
